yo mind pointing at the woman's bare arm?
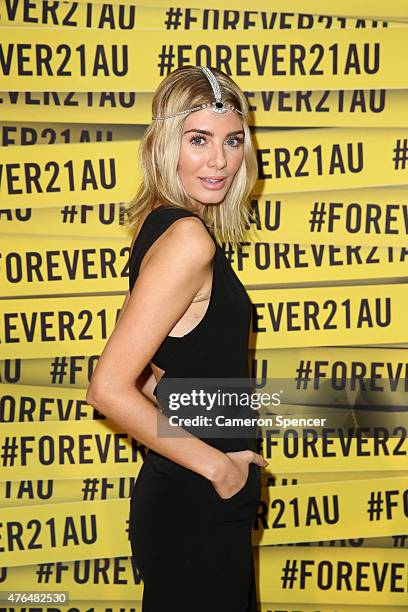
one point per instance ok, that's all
(171, 275)
(146, 381)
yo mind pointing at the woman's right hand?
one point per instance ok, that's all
(234, 474)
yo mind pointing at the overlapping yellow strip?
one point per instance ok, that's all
(42, 327)
(69, 531)
(54, 490)
(328, 108)
(382, 385)
(275, 263)
(89, 450)
(292, 161)
(320, 378)
(288, 607)
(322, 419)
(327, 363)
(30, 492)
(368, 216)
(357, 8)
(75, 265)
(78, 107)
(48, 371)
(65, 174)
(291, 451)
(311, 160)
(296, 317)
(32, 403)
(104, 605)
(120, 61)
(95, 449)
(96, 265)
(385, 586)
(80, 530)
(358, 577)
(130, 17)
(136, 606)
(292, 479)
(331, 365)
(344, 509)
(328, 316)
(47, 132)
(98, 220)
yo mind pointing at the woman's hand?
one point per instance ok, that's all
(234, 474)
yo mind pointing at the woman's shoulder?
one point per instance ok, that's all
(165, 214)
(188, 233)
(156, 217)
(183, 225)
(178, 228)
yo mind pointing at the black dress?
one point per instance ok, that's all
(192, 548)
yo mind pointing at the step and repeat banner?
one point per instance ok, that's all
(324, 263)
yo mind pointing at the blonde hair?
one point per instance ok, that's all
(159, 151)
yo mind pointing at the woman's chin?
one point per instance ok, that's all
(215, 197)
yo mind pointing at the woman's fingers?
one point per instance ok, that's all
(259, 460)
(252, 457)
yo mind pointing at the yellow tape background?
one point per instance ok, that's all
(271, 558)
(84, 265)
(355, 217)
(79, 530)
(292, 161)
(137, 17)
(327, 362)
(340, 108)
(346, 7)
(283, 317)
(99, 448)
(359, 59)
(331, 392)
(350, 263)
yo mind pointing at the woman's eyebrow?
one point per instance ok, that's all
(208, 133)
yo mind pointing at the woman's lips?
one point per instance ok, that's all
(213, 186)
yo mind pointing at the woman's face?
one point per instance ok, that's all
(211, 148)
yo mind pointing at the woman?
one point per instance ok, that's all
(187, 315)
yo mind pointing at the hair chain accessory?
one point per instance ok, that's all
(218, 106)
(213, 82)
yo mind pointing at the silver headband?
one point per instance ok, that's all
(218, 106)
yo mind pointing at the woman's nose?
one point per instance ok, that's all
(217, 156)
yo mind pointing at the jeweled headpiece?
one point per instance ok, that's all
(218, 106)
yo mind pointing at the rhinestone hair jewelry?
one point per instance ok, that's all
(218, 106)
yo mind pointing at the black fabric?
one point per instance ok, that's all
(192, 548)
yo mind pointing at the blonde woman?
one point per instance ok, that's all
(187, 315)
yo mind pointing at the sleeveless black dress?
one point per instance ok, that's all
(192, 548)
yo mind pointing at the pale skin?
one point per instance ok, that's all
(122, 383)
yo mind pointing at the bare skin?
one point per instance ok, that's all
(122, 383)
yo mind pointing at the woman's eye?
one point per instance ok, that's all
(196, 138)
(238, 142)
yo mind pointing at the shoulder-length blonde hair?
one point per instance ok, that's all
(159, 151)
